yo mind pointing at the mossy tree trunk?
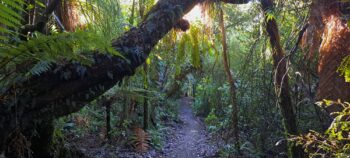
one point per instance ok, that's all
(281, 77)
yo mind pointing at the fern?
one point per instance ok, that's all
(38, 54)
(21, 59)
(10, 19)
(195, 47)
(181, 51)
(141, 140)
(40, 67)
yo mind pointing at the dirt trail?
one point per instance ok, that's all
(187, 139)
(190, 140)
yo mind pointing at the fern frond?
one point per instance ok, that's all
(40, 67)
(39, 53)
(195, 56)
(10, 18)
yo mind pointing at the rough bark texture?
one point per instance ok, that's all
(330, 35)
(69, 14)
(51, 95)
(281, 77)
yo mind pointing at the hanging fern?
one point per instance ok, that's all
(195, 47)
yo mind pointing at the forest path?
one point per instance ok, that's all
(190, 139)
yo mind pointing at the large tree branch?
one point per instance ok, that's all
(51, 95)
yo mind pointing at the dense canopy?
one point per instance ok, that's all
(174, 78)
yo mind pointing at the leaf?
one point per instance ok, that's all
(148, 61)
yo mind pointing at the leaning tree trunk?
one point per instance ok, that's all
(281, 78)
(49, 95)
(231, 81)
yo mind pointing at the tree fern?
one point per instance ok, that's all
(36, 55)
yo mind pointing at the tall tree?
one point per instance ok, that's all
(230, 80)
(330, 35)
(281, 75)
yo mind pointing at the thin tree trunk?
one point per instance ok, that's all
(230, 80)
(132, 16)
(145, 100)
(281, 78)
(145, 80)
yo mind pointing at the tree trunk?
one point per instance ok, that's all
(281, 78)
(108, 118)
(230, 81)
(145, 100)
(330, 35)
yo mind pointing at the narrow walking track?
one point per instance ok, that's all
(190, 140)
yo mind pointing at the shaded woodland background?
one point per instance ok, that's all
(269, 78)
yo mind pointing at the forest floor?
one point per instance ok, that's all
(186, 138)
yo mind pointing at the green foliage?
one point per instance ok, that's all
(344, 68)
(104, 17)
(335, 141)
(10, 19)
(157, 138)
(195, 47)
(212, 121)
(39, 53)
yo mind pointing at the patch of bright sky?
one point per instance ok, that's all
(195, 14)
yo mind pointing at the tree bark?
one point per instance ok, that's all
(330, 35)
(231, 81)
(281, 77)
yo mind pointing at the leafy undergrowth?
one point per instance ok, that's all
(335, 142)
(85, 132)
